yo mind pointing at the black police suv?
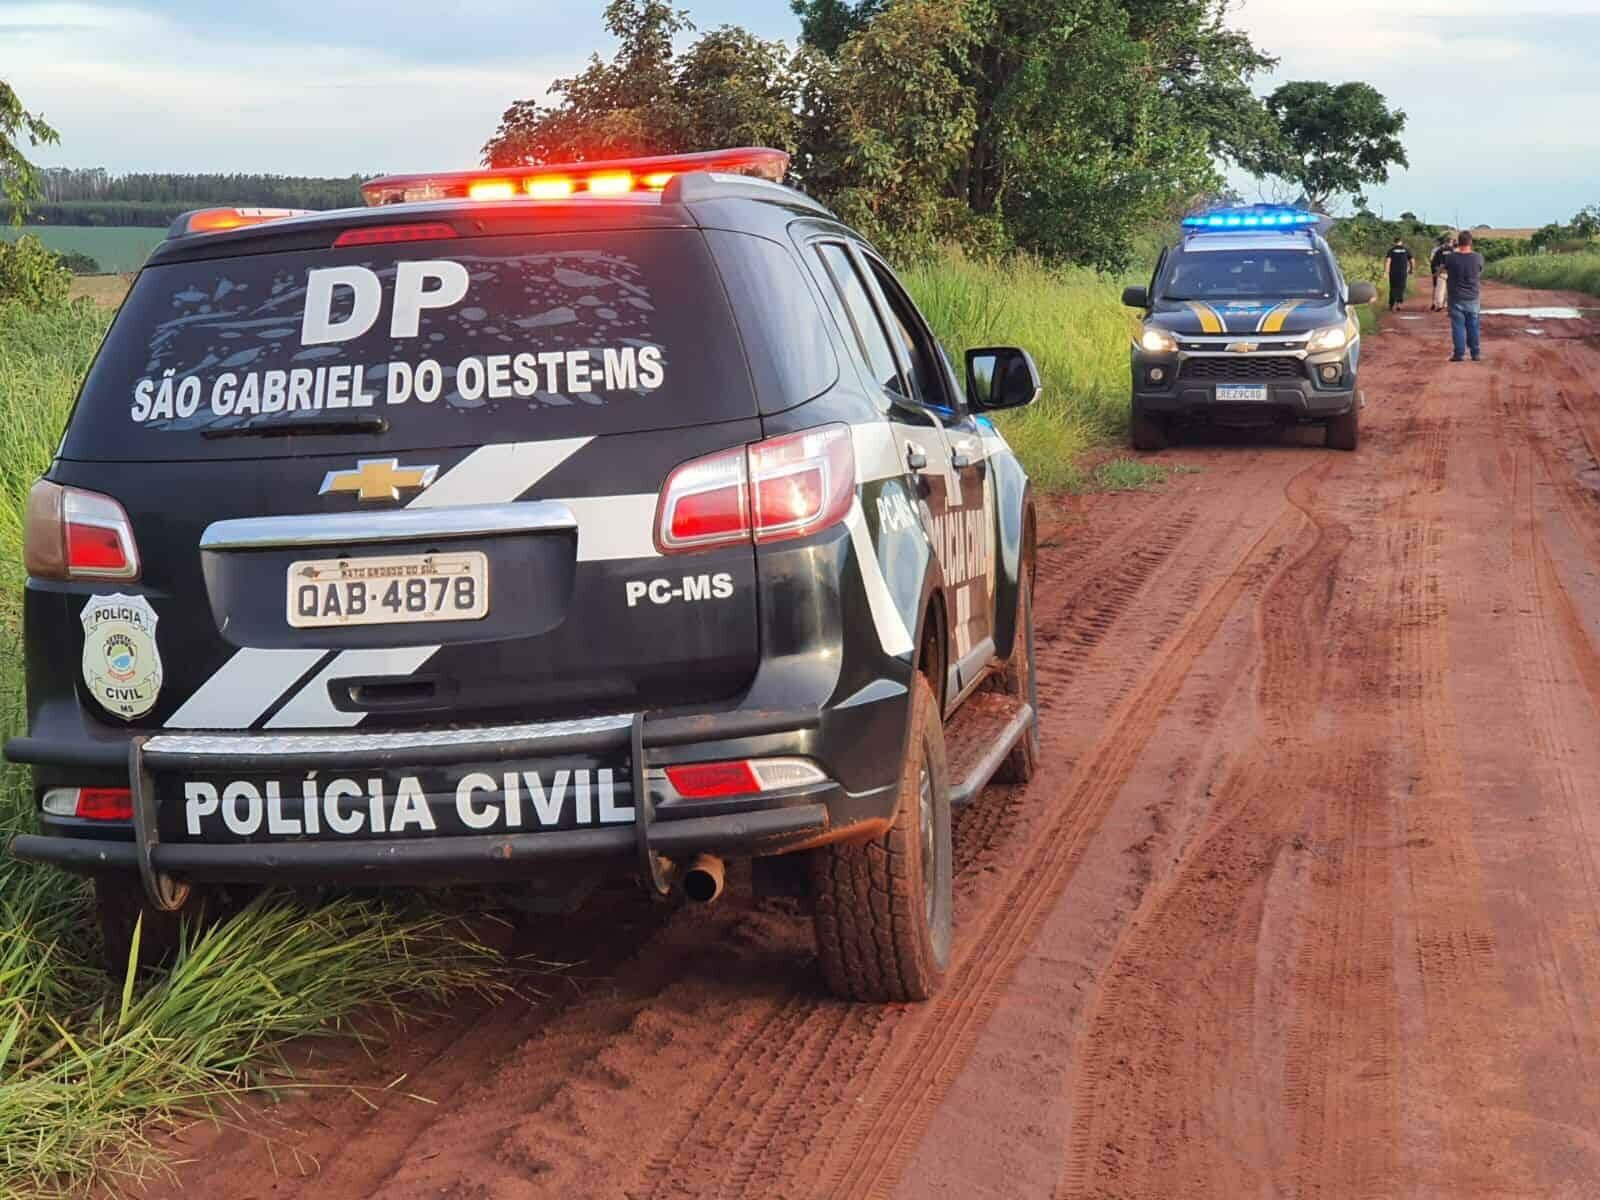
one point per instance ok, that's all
(1248, 322)
(533, 526)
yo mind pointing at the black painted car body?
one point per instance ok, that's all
(501, 409)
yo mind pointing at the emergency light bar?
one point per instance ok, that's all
(215, 220)
(563, 181)
(1259, 216)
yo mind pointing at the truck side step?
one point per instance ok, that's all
(977, 739)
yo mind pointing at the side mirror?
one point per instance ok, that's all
(1136, 297)
(1001, 377)
(1363, 293)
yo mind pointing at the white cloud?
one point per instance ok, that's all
(130, 90)
(1498, 98)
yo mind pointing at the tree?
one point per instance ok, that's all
(19, 179)
(827, 24)
(1586, 223)
(890, 120)
(1094, 116)
(612, 109)
(730, 88)
(1331, 140)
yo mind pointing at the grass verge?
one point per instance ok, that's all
(1073, 323)
(86, 1062)
(1555, 272)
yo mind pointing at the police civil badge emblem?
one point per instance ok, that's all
(121, 664)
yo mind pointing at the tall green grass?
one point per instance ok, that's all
(1557, 272)
(86, 1061)
(1073, 323)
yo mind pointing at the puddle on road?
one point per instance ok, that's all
(1542, 314)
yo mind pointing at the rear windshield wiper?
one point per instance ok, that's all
(359, 423)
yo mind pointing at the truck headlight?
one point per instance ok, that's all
(1334, 337)
(1156, 340)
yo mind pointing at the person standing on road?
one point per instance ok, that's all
(1465, 268)
(1436, 264)
(1401, 261)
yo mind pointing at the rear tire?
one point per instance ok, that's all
(1344, 431)
(122, 905)
(883, 908)
(1017, 680)
(1149, 433)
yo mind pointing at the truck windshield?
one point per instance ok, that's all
(1246, 275)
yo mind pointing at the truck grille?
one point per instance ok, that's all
(1243, 368)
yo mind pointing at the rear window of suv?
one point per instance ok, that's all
(441, 343)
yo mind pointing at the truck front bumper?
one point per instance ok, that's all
(1164, 386)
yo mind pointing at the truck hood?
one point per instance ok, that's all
(1191, 318)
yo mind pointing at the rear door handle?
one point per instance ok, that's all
(960, 461)
(916, 457)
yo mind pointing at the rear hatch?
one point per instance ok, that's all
(414, 483)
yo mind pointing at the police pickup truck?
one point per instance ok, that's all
(1248, 321)
(532, 526)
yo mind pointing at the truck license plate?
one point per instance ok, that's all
(388, 590)
(1243, 393)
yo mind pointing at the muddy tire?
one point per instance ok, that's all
(1344, 432)
(120, 902)
(883, 908)
(1017, 681)
(1149, 433)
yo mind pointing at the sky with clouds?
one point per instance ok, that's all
(1502, 97)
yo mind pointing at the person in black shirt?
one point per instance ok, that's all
(1437, 263)
(1465, 288)
(1401, 261)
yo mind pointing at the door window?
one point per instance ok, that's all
(921, 352)
(863, 323)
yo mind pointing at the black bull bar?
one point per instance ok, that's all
(161, 864)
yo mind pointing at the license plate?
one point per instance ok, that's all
(1243, 393)
(398, 589)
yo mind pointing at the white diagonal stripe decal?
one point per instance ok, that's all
(243, 688)
(886, 617)
(497, 474)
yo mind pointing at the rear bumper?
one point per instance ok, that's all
(433, 860)
(661, 827)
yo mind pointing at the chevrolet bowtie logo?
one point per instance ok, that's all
(1243, 347)
(378, 479)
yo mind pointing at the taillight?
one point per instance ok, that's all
(784, 487)
(705, 503)
(74, 534)
(91, 803)
(740, 777)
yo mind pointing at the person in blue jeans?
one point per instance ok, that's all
(1463, 292)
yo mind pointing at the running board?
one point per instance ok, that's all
(977, 739)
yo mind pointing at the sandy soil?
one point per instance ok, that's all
(1306, 901)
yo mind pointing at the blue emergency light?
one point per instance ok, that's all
(1256, 217)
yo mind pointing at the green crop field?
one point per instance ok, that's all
(1559, 272)
(119, 248)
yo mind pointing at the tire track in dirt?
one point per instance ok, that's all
(1075, 611)
(1155, 1077)
(897, 1113)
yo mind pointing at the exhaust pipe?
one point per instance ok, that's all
(702, 882)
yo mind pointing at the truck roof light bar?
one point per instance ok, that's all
(562, 181)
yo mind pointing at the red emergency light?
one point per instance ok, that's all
(217, 220)
(564, 181)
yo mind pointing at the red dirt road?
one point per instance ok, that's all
(1305, 901)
